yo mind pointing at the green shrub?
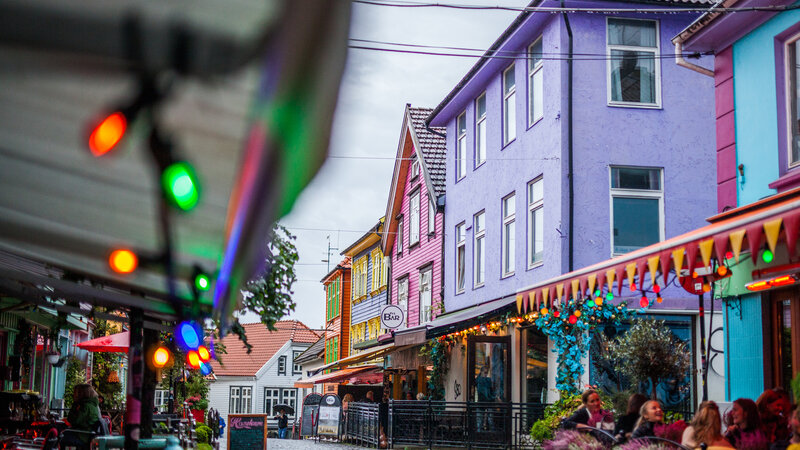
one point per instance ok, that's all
(541, 431)
(204, 434)
(545, 428)
(204, 446)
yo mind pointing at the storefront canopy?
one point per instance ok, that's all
(336, 377)
(768, 222)
(114, 343)
(373, 353)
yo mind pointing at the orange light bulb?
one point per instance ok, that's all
(107, 134)
(123, 261)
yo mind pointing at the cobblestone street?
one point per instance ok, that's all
(292, 444)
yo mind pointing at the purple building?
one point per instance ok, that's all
(537, 188)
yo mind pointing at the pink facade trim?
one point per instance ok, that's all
(726, 130)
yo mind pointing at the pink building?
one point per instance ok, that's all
(413, 237)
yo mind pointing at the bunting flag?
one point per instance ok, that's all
(545, 295)
(575, 289)
(533, 305)
(601, 280)
(721, 246)
(592, 280)
(559, 293)
(620, 274)
(677, 258)
(519, 303)
(691, 257)
(652, 264)
(583, 286)
(705, 251)
(665, 265)
(640, 270)
(754, 239)
(567, 292)
(790, 226)
(736, 239)
(631, 270)
(610, 278)
(771, 230)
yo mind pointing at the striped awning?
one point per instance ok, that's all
(770, 222)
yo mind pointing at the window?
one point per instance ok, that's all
(272, 397)
(509, 108)
(374, 327)
(535, 222)
(240, 399)
(402, 298)
(282, 365)
(414, 167)
(413, 220)
(460, 257)
(425, 296)
(332, 304)
(431, 216)
(378, 279)
(480, 130)
(400, 236)
(637, 208)
(792, 77)
(461, 146)
(509, 216)
(296, 368)
(289, 397)
(478, 256)
(331, 350)
(535, 82)
(632, 69)
(161, 399)
(360, 279)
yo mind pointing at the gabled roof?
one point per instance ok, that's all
(343, 265)
(430, 147)
(487, 59)
(237, 362)
(316, 351)
(368, 239)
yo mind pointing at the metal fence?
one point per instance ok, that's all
(362, 424)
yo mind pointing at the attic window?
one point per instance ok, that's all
(282, 365)
(414, 168)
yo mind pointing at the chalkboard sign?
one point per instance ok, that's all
(247, 431)
(330, 410)
(308, 419)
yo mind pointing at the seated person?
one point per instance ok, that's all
(706, 428)
(624, 427)
(83, 416)
(650, 415)
(591, 414)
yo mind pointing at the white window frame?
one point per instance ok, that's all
(282, 365)
(377, 269)
(535, 72)
(400, 235)
(480, 132)
(426, 295)
(402, 298)
(635, 193)
(413, 219)
(479, 240)
(271, 400)
(507, 238)
(461, 146)
(509, 102)
(656, 60)
(414, 167)
(461, 263)
(534, 207)
(790, 92)
(239, 402)
(431, 216)
(289, 397)
(297, 369)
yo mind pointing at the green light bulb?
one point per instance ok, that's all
(180, 185)
(767, 256)
(609, 296)
(202, 283)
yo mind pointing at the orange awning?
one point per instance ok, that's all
(772, 221)
(334, 377)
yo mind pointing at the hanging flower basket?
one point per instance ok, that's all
(113, 377)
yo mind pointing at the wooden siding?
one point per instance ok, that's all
(340, 325)
(427, 252)
(744, 333)
(371, 306)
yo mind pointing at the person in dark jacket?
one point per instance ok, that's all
(626, 423)
(650, 415)
(83, 416)
(283, 424)
(591, 414)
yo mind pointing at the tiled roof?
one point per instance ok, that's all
(344, 264)
(237, 362)
(433, 147)
(313, 352)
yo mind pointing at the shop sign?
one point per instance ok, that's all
(391, 317)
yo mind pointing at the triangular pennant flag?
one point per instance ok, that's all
(567, 292)
(592, 279)
(559, 293)
(610, 279)
(665, 265)
(519, 303)
(545, 295)
(790, 226)
(691, 256)
(583, 287)
(754, 239)
(720, 246)
(677, 259)
(652, 264)
(640, 267)
(705, 251)
(772, 229)
(631, 269)
(532, 304)
(576, 289)
(620, 274)
(736, 239)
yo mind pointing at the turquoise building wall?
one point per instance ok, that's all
(756, 108)
(744, 345)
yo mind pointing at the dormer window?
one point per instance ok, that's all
(414, 168)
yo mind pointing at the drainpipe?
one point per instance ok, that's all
(684, 63)
(570, 174)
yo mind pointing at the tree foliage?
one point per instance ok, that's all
(76, 374)
(270, 296)
(649, 351)
(103, 364)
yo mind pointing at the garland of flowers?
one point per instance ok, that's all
(438, 351)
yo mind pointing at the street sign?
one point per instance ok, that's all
(391, 317)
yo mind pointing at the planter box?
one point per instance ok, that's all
(199, 415)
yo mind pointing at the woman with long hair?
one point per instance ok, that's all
(650, 414)
(627, 422)
(706, 428)
(773, 424)
(744, 422)
(83, 415)
(591, 414)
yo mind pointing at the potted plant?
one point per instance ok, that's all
(198, 407)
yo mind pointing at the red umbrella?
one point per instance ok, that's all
(114, 343)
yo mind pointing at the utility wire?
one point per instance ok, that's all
(557, 10)
(551, 158)
(637, 56)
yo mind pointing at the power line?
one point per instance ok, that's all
(638, 56)
(547, 158)
(557, 10)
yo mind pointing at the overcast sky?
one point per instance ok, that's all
(349, 195)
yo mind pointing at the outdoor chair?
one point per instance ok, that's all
(100, 428)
